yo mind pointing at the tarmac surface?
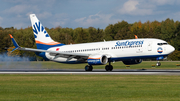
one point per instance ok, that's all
(95, 71)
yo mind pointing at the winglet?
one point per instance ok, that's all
(136, 37)
(14, 42)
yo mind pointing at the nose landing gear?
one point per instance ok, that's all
(158, 64)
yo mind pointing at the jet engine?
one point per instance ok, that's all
(97, 59)
(132, 61)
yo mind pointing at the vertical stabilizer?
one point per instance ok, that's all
(42, 38)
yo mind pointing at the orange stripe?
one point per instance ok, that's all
(10, 36)
(94, 58)
(50, 43)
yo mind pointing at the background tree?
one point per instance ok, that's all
(109, 32)
(167, 30)
(81, 35)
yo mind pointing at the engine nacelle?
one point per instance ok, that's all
(132, 62)
(97, 59)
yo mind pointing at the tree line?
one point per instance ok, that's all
(168, 30)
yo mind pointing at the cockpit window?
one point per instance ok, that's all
(162, 44)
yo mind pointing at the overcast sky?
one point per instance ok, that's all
(85, 13)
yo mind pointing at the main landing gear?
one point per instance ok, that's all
(88, 68)
(107, 67)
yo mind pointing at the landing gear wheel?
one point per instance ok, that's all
(158, 64)
(109, 67)
(88, 68)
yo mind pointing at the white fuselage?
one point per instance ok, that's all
(118, 50)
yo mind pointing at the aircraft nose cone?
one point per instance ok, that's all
(171, 48)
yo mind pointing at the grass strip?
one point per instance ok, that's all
(89, 87)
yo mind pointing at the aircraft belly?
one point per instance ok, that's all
(58, 58)
(65, 59)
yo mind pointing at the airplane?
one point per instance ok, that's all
(129, 51)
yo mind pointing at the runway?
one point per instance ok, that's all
(94, 72)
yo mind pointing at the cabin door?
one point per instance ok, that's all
(150, 46)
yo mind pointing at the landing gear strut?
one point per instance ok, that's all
(109, 67)
(88, 68)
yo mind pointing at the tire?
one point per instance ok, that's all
(107, 68)
(158, 64)
(90, 68)
(86, 68)
(111, 67)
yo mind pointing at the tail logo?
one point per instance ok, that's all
(38, 28)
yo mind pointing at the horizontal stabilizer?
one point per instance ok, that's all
(14, 49)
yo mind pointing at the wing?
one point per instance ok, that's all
(57, 54)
